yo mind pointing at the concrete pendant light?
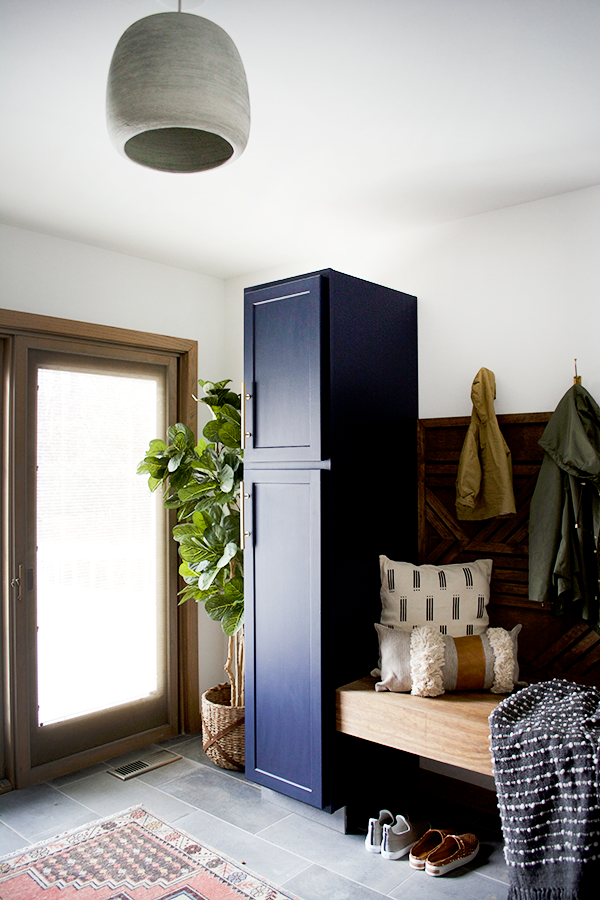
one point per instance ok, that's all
(177, 97)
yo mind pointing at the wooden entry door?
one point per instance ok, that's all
(92, 629)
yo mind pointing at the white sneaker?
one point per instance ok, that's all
(375, 830)
(398, 839)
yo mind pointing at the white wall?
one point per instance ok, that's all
(54, 277)
(516, 291)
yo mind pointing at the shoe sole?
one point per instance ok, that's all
(372, 848)
(398, 854)
(441, 870)
(417, 863)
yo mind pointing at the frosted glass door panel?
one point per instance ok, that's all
(100, 543)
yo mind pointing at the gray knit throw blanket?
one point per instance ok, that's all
(545, 742)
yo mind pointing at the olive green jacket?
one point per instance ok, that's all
(564, 520)
(484, 486)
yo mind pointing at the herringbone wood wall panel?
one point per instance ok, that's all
(548, 646)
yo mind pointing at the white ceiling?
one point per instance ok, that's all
(368, 117)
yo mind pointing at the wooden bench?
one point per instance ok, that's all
(453, 728)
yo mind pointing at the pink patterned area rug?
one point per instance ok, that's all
(130, 856)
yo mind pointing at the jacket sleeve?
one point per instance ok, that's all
(545, 532)
(468, 479)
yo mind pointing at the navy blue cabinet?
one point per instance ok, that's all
(283, 327)
(330, 476)
(283, 645)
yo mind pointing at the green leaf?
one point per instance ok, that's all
(180, 477)
(200, 522)
(230, 434)
(181, 532)
(175, 460)
(206, 579)
(180, 429)
(200, 476)
(203, 504)
(211, 386)
(232, 459)
(231, 527)
(153, 465)
(186, 573)
(188, 593)
(195, 490)
(156, 446)
(216, 607)
(197, 558)
(211, 430)
(209, 518)
(228, 554)
(203, 596)
(226, 479)
(210, 459)
(233, 619)
(230, 413)
(234, 590)
(179, 441)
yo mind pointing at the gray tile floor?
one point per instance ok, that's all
(301, 854)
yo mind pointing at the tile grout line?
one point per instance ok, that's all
(27, 843)
(100, 815)
(491, 878)
(323, 866)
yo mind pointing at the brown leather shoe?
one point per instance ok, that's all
(421, 850)
(454, 851)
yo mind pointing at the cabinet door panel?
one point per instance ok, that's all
(283, 629)
(282, 371)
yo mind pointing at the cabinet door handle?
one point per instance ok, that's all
(243, 439)
(245, 433)
(243, 533)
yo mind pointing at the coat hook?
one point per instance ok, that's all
(577, 379)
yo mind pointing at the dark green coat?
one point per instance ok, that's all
(564, 522)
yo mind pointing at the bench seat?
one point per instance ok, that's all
(451, 729)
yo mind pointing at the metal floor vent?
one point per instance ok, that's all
(146, 762)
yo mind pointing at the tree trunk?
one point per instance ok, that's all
(235, 667)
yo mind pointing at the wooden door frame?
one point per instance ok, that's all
(186, 351)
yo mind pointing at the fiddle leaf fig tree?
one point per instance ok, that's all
(202, 482)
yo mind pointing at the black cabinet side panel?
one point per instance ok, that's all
(372, 434)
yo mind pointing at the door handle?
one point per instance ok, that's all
(245, 433)
(243, 533)
(17, 584)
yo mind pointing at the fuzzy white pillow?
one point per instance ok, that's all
(453, 598)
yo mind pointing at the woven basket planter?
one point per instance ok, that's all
(223, 732)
